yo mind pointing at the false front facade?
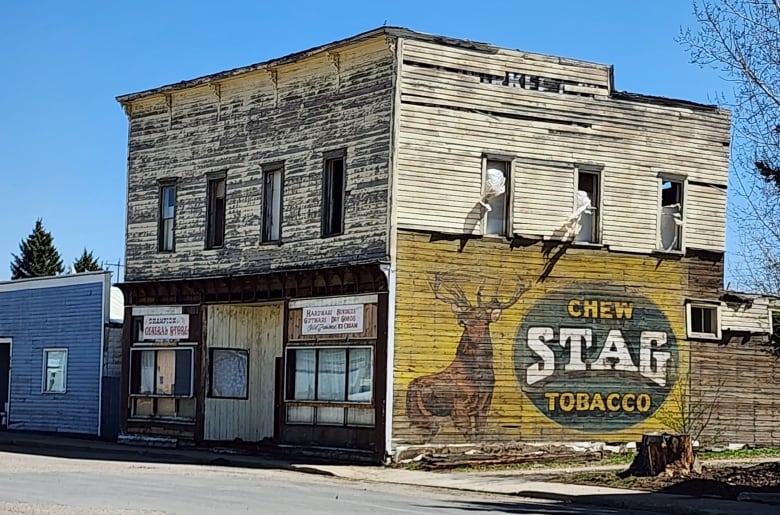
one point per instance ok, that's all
(399, 240)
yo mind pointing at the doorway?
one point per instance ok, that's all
(5, 380)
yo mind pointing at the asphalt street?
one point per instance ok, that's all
(32, 484)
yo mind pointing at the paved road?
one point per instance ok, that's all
(48, 485)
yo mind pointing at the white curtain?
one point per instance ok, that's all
(332, 372)
(305, 365)
(360, 369)
(147, 372)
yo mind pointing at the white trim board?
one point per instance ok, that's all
(36, 283)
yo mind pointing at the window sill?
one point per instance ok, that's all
(272, 243)
(705, 336)
(668, 253)
(588, 244)
(329, 404)
(156, 418)
(159, 396)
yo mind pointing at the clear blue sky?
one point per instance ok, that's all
(63, 137)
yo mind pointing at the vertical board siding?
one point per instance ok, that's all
(451, 114)
(249, 121)
(62, 317)
(259, 330)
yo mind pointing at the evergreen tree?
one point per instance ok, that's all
(37, 256)
(86, 263)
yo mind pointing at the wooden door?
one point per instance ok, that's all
(243, 343)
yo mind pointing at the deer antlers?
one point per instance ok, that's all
(446, 288)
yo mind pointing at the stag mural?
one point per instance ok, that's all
(463, 391)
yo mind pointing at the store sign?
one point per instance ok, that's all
(166, 327)
(595, 360)
(332, 319)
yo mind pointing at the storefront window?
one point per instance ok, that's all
(338, 374)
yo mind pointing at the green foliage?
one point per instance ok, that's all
(86, 263)
(37, 257)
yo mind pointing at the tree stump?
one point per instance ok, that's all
(669, 454)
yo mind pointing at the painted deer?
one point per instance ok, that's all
(462, 391)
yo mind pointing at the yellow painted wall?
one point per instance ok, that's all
(427, 335)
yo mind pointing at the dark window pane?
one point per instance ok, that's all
(215, 222)
(333, 197)
(183, 381)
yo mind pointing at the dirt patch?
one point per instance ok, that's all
(725, 482)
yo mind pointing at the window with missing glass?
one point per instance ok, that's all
(229, 371)
(334, 193)
(55, 365)
(215, 221)
(272, 203)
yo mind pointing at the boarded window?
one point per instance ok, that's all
(272, 204)
(229, 374)
(215, 223)
(333, 194)
(165, 239)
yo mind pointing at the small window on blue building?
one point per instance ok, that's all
(55, 364)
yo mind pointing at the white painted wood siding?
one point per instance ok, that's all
(451, 114)
(259, 330)
(753, 317)
(293, 115)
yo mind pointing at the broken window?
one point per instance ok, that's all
(671, 215)
(215, 223)
(495, 198)
(333, 193)
(703, 320)
(165, 237)
(272, 204)
(586, 203)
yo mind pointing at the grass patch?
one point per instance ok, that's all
(766, 452)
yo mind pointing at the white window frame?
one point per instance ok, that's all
(683, 181)
(598, 171)
(46, 352)
(703, 304)
(508, 162)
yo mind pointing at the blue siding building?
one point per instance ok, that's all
(53, 334)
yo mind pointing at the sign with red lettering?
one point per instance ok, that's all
(333, 319)
(166, 327)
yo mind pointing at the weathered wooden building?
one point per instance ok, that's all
(400, 239)
(57, 347)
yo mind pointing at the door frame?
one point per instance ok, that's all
(10, 343)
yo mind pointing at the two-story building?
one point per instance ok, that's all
(400, 239)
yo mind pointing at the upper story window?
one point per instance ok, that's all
(166, 239)
(334, 193)
(496, 198)
(587, 201)
(215, 221)
(703, 319)
(273, 180)
(670, 215)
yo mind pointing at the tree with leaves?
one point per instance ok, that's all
(741, 39)
(38, 257)
(86, 263)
